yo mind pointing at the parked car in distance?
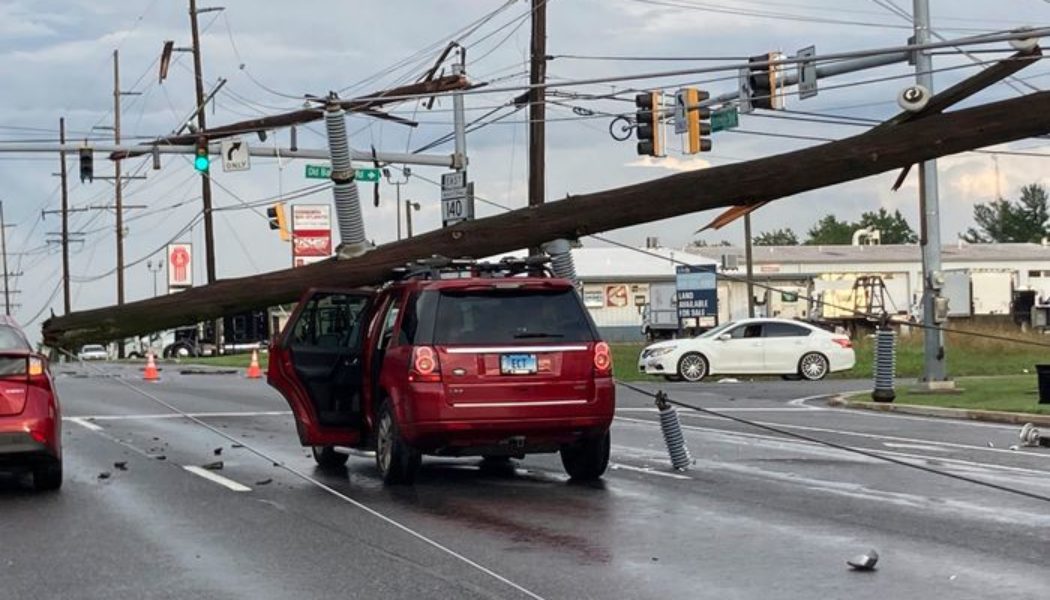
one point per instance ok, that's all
(93, 352)
(494, 363)
(792, 349)
(30, 418)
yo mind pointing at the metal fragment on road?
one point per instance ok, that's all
(864, 562)
(213, 466)
(218, 451)
(121, 465)
(266, 481)
(1029, 435)
(104, 475)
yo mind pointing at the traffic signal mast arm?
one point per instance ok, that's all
(740, 183)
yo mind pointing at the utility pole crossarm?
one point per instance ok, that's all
(741, 183)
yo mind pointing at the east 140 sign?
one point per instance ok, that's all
(697, 296)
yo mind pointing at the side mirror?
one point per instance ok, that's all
(724, 337)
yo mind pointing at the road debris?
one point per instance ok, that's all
(104, 475)
(864, 562)
(218, 451)
(213, 466)
(266, 481)
(121, 465)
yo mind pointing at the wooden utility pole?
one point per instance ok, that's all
(118, 189)
(877, 151)
(118, 183)
(198, 76)
(65, 220)
(3, 249)
(537, 106)
(750, 267)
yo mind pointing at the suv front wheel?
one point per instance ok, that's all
(587, 459)
(396, 460)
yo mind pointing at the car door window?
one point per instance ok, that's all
(784, 330)
(753, 330)
(329, 321)
(389, 321)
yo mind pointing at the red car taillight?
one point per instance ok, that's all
(844, 342)
(425, 366)
(602, 359)
(37, 372)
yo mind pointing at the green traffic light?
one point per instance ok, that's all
(201, 163)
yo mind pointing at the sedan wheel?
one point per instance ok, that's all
(692, 367)
(813, 366)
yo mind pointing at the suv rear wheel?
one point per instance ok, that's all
(328, 458)
(48, 478)
(587, 459)
(396, 460)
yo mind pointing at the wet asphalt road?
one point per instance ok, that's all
(759, 515)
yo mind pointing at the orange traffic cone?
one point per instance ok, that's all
(150, 373)
(254, 372)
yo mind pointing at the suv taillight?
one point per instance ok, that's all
(602, 359)
(37, 372)
(425, 366)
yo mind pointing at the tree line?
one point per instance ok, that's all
(1026, 219)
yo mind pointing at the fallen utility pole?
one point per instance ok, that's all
(870, 153)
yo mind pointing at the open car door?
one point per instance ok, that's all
(316, 364)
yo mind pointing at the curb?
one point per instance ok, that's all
(991, 416)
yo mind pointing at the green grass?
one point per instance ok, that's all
(966, 355)
(228, 360)
(625, 362)
(1016, 393)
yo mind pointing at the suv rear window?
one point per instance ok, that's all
(12, 339)
(508, 317)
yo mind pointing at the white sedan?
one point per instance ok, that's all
(751, 347)
(93, 352)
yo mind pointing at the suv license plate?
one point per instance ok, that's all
(517, 364)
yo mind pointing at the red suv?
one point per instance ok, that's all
(30, 421)
(472, 359)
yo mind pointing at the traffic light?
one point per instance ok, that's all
(276, 216)
(87, 165)
(201, 161)
(767, 81)
(697, 132)
(647, 119)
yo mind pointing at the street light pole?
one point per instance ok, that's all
(409, 207)
(407, 172)
(150, 265)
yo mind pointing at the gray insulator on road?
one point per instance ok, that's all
(562, 264)
(671, 427)
(344, 190)
(885, 367)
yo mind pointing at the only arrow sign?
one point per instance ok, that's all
(235, 155)
(235, 147)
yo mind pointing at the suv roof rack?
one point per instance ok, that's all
(441, 267)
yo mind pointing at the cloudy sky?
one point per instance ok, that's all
(57, 61)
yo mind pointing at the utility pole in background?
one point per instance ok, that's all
(118, 187)
(537, 106)
(750, 266)
(65, 220)
(3, 249)
(934, 368)
(209, 230)
(198, 76)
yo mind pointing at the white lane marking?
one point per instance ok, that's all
(732, 435)
(914, 447)
(83, 423)
(219, 479)
(204, 415)
(617, 466)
